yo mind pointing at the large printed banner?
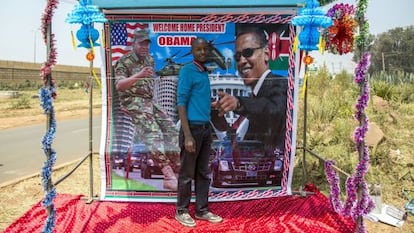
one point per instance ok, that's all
(240, 168)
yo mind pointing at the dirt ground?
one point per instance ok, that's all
(16, 197)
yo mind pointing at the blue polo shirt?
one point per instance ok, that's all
(194, 92)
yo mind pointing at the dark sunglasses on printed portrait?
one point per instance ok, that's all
(247, 52)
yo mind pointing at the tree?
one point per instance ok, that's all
(393, 51)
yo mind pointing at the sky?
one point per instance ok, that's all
(22, 40)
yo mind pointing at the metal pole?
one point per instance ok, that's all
(90, 199)
(90, 132)
(323, 160)
(47, 84)
(34, 46)
(305, 107)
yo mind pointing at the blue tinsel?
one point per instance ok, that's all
(48, 200)
(85, 14)
(50, 222)
(312, 18)
(46, 101)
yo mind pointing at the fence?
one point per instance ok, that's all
(15, 74)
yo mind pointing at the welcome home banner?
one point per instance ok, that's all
(129, 172)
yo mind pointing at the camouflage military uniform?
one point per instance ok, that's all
(153, 125)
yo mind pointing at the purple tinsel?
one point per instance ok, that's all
(353, 207)
(350, 207)
(356, 182)
(340, 9)
(362, 68)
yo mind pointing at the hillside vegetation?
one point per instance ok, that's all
(330, 128)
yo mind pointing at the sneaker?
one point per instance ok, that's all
(185, 219)
(210, 217)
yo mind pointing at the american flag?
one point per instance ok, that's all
(121, 38)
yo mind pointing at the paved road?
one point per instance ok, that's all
(21, 152)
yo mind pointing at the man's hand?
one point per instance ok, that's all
(226, 103)
(189, 144)
(147, 71)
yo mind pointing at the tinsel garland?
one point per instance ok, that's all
(86, 15)
(312, 18)
(356, 183)
(47, 94)
(46, 173)
(49, 40)
(340, 36)
(352, 207)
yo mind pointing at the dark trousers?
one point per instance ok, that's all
(195, 166)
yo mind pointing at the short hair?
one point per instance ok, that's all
(198, 40)
(259, 35)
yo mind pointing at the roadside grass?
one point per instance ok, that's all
(25, 109)
(330, 128)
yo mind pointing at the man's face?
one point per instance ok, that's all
(141, 49)
(200, 51)
(251, 67)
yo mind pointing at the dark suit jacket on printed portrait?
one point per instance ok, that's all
(267, 112)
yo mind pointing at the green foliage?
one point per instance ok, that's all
(398, 88)
(70, 84)
(394, 78)
(330, 126)
(325, 2)
(318, 81)
(382, 89)
(334, 97)
(27, 85)
(406, 109)
(344, 80)
(22, 102)
(381, 158)
(19, 85)
(392, 51)
(404, 94)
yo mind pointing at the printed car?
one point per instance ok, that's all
(117, 159)
(245, 163)
(135, 162)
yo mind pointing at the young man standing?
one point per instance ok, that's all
(194, 106)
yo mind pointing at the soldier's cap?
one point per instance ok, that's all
(141, 35)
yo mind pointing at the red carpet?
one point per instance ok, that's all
(283, 214)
